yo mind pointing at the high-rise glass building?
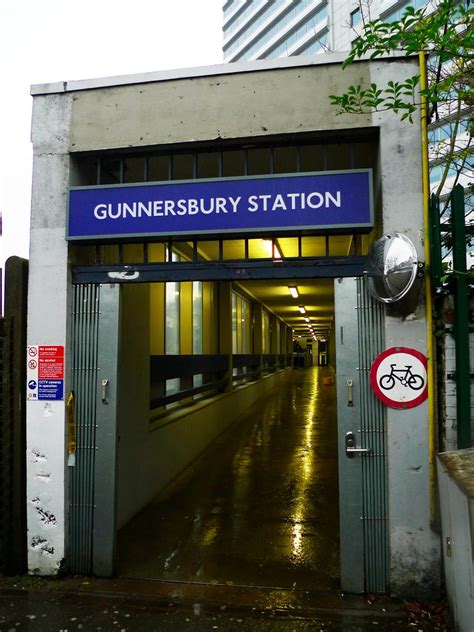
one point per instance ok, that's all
(265, 30)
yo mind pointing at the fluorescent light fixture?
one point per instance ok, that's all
(306, 319)
(293, 291)
(271, 248)
(302, 309)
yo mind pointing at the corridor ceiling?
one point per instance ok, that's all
(317, 296)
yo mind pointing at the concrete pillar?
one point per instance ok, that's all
(49, 299)
(414, 544)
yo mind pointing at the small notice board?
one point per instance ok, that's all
(45, 372)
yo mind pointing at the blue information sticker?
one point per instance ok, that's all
(50, 390)
(284, 203)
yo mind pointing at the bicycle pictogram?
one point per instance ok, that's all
(404, 375)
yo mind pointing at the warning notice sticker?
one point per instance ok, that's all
(45, 372)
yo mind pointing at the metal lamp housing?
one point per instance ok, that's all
(392, 268)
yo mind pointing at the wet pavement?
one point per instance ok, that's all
(245, 540)
(259, 508)
(64, 605)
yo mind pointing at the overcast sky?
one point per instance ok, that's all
(43, 41)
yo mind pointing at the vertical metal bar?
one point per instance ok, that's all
(221, 164)
(146, 169)
(351, 513)
(374, 467)
(461, 320)
(84, 377)
(435, 241)
(105, 463)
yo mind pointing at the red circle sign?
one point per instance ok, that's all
(399, 377)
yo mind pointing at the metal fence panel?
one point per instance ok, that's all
(373, 426)
(84, 384)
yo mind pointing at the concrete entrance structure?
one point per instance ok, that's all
(245, 104)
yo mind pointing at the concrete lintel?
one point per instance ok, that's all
(199, 71)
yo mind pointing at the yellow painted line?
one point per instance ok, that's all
(429, 301)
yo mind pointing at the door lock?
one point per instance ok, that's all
(104, 385)
(351, 448)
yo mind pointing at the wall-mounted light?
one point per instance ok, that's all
(293, 290)
(302, 309)
(306, 319)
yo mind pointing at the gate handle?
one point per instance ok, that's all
(104, 391)
(350, 399)
(351, 449)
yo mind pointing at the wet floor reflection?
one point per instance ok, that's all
(260, 506)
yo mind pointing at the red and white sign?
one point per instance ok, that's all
(399, 377)
(45, 372)
(50, 363)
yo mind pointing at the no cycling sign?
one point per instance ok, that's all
(399, 378)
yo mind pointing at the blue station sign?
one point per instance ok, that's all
(329, 200)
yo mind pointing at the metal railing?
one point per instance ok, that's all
(211, 371)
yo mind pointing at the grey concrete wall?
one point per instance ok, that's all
(415, 548)
(207, 108)
(48, 307)
(457, 519)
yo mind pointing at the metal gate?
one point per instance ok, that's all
(92, 494)
(362, 442)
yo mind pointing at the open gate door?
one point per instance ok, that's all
(93, 479)
(362, 441)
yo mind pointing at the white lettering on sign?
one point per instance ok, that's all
(217, 205)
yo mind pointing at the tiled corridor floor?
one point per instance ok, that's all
(258, 508)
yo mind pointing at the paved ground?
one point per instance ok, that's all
(70, 604)
(245, 540)
(259, 507)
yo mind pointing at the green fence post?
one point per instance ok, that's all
(435, 242)
(461, 320)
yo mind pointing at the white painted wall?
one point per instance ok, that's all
(451, 441)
